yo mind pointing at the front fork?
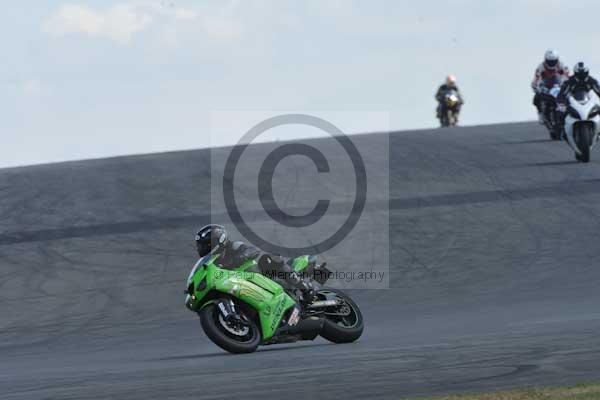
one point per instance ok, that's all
(226, 308)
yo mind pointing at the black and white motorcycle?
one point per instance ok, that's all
(548, 92)
(582, 123)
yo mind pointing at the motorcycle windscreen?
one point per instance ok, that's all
(581, 96)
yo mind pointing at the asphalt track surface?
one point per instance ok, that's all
(495, 279)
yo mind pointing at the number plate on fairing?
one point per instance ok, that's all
(295, 317)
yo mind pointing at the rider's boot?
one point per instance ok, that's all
(306, 287)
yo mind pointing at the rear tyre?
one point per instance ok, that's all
(234, 338)
(548, 119)
(344, 328)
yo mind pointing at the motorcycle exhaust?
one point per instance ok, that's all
(308, 329)
(324, 303)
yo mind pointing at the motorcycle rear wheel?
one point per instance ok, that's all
(343, 329)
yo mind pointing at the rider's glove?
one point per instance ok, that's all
(542, 88)
(308, 292)
(561, 108)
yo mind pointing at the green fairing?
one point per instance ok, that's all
(264, 295)
(300, 263)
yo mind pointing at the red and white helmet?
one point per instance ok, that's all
(551, 59)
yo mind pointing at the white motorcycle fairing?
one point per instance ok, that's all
(582, 109)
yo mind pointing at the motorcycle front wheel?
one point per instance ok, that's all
(237, 336)
(444, 122)
(584, 137)
(553, 127)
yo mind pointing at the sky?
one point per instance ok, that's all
(89, 79)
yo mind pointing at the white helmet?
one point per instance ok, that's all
(451, 80)
(551, 59)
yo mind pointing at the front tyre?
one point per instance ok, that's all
(443, 116)
(584, 140)
(235, 337)
(554, 130)
(343, 323)
(443, 121)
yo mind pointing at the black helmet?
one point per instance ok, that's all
(210, 236)
(580, 71)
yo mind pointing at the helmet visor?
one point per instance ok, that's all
(551, 63)
(203, 248)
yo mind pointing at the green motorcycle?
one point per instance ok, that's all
(240, 310)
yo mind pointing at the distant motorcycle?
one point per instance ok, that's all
(449, 109)
(582, 124)
(548, 93)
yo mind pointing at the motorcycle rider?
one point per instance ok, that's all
(551, 68)
(233, 254)
(581, 80)
(446, 87)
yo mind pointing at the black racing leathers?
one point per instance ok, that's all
(573, 84)
(445, 88)
(274, 267)
(235, 254)
(439, 96)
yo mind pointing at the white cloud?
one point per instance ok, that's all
(118, 23)
(184, 13)
(221, 28)
(218, 21)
